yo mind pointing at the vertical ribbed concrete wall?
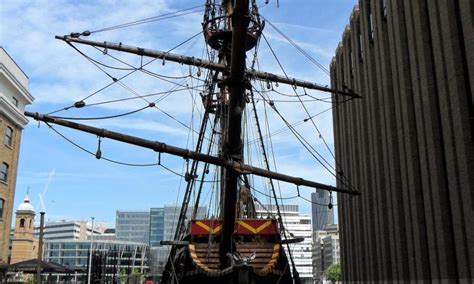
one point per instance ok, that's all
(408, 144)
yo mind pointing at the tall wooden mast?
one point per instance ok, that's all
(232, 33)
(231, 123)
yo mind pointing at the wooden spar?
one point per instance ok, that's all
(232, 146)
(185, 153)
(263, 76)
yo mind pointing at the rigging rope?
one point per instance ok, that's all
(307, 145)
(152, 19)
(302, 104)
(108, 159)
(123, 77)
(106, 117)
(142, 96)
(307, 55)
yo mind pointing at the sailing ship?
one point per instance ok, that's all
(234, 246)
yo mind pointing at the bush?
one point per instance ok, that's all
(333, 272)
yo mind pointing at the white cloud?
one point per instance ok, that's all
(306, 46)
(141, 124)
(59, 76)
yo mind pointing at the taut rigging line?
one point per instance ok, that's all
(187, 154)
(264, 76)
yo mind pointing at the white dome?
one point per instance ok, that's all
(26, 205)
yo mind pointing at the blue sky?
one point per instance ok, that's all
(83, 186)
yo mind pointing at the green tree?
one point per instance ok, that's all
(135, 276)
(333, 272)
(136, 272)
(122, 276)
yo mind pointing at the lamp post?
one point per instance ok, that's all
(40, 249)
(90, 252)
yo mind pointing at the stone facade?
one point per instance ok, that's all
(14, 96)
(408, 144)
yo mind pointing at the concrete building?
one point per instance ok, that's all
(326, 251)
(408, 144)
(318, 255)
(320, 213)
(133, 226)
(296, 225)
(331, 251)
(107, 235)
(14, 96)
(70, 230)
(24, 244)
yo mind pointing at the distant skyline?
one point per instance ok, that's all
(75, 185)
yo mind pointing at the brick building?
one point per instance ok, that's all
(14, 96)
(24, 243)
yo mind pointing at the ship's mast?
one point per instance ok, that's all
(232, 33)
(231, 144)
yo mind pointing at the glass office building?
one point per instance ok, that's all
(116, 255)
(320, 213)
(132, 226)
(156, 226)
(151, 227)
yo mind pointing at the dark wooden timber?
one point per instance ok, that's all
(232, 142)
(185, 153)
(188, 60)
(174, 243)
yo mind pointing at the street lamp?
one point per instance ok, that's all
(90, 252)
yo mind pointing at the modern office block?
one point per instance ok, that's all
(408, 143)
(133, 226)
(321, 214)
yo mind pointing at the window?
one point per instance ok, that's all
(383, 3)
(351, 56)
(8, 139)
(2, 204)
(22, 223)
(321, 193)
(371, 26)
(3, 172)
(15, 101)
(370, 19)
(361, 47)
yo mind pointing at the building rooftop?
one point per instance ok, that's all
(26, 205)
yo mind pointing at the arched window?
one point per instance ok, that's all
(2, 204)
(31, 222)
(8, 138)
(22, 223)
(3, 172)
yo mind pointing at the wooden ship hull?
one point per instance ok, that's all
(258, 255)
(236, 246)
